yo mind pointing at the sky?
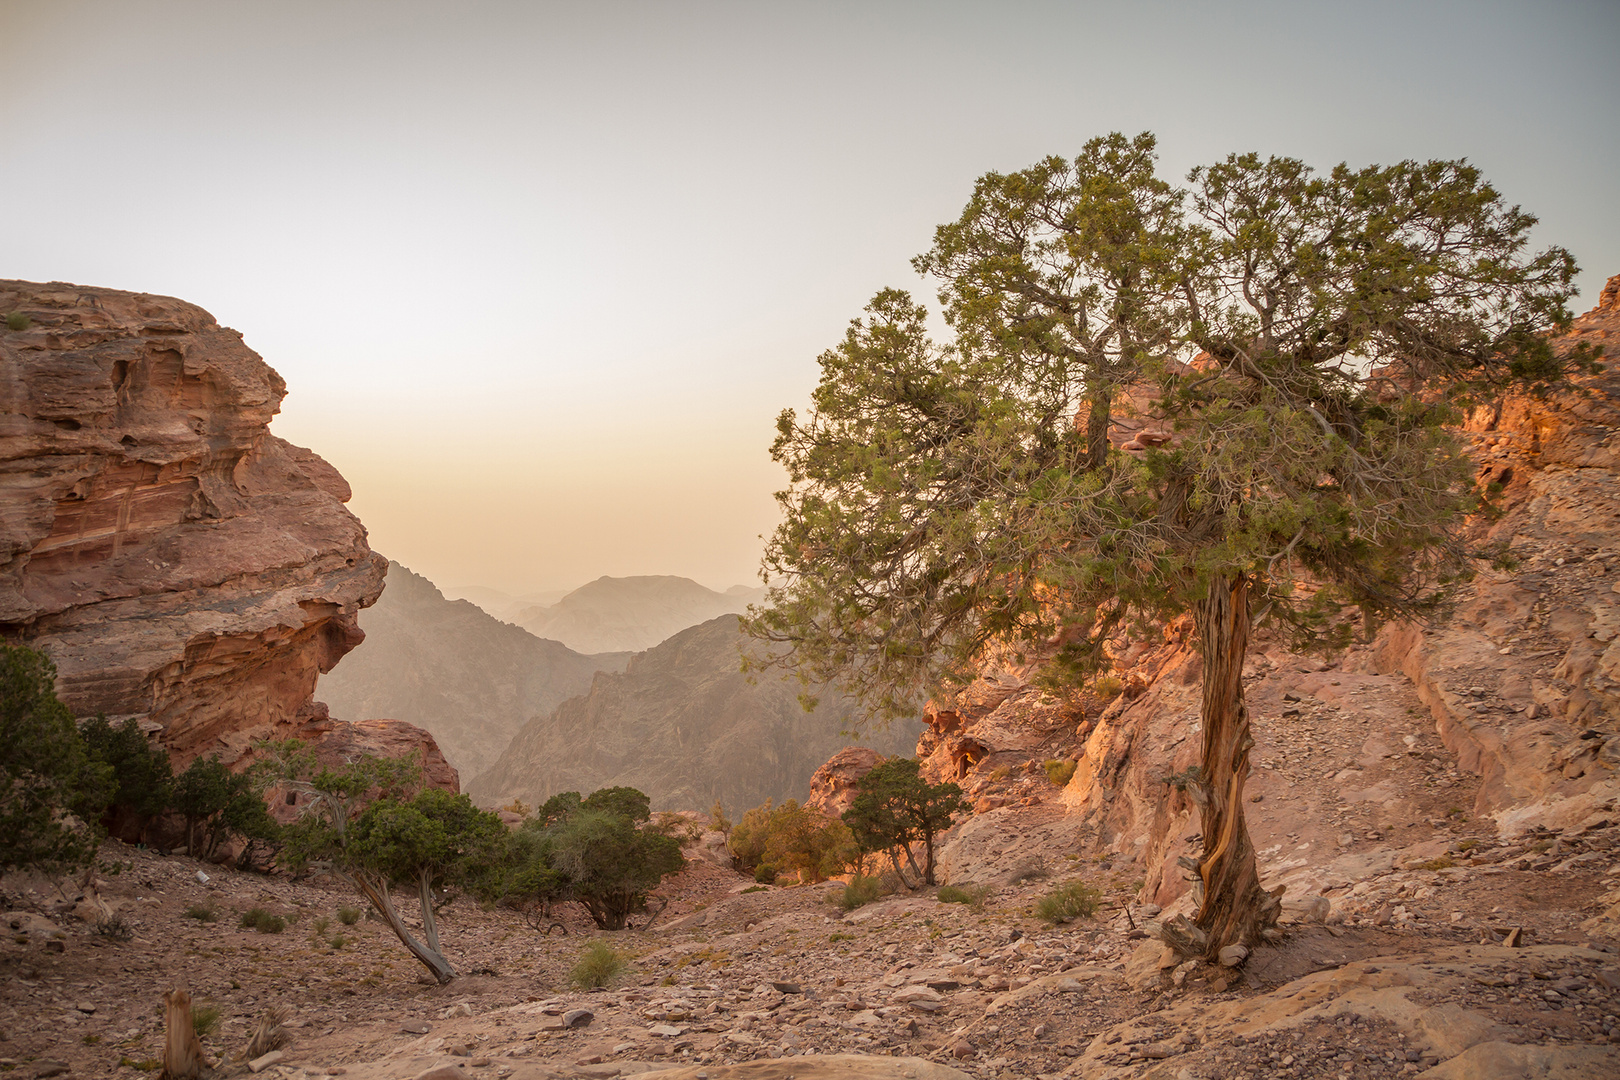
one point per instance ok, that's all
(540, 276)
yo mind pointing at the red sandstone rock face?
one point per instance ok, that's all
(178, 562)
(832, 787)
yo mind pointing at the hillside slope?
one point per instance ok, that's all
(447, 666)
(686, 726)
(629, 613)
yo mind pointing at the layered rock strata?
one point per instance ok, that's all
(178, 562)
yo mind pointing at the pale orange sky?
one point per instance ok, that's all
(540, 276)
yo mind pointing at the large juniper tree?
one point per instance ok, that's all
(1297, 344)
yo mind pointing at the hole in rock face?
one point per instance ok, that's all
(120, 373)
(67, 423)
(127, 440)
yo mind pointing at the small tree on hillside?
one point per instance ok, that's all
(596, 851)
(894, 808)
(142, 775)
(217, 803)
(51, 792)
(1292, 346)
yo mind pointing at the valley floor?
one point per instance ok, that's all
(1420, 984)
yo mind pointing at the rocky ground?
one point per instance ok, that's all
(1410, 971)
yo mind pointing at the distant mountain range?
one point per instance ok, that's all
(630, 613)
(685, 725)
(452, 668)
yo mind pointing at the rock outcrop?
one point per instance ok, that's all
(449, 667)
(686, 725)
(178, 562)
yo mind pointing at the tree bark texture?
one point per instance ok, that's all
(182, 1052)
(1234, 909)
(431, 959)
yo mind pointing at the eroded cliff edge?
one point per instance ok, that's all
(178, 562)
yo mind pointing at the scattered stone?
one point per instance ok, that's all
(577, 1018)
(1233, 955)
(259, 1064)
(787, 988)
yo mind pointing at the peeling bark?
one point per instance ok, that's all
(1234, 908)
(432, 959)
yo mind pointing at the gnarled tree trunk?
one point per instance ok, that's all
(182, 1052)
(1233, 908)
(432, 959)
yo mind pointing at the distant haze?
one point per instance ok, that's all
(541, 275)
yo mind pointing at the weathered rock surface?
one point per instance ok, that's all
(832, 787)
(447, 666)
(178, 562)
(684, 724)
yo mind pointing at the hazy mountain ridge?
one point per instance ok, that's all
(614, 614)
(686, 725)
(452, 668)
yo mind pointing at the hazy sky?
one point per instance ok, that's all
(541, 275)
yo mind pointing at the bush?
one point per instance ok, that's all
(1059, 772)
(320, 926)
(765, 874)
(973, 896)
(204, 1020)
(263, 921)
(860, 890)
(348, 916)
(114, 928)
(1031, 869)
(1075, 900)
(202, 912)
(16, 320)
(601, 965)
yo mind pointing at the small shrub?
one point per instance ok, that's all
(1000, 773)
(348, 916)
(1108, 686)
(765, 874)
(141, 1065)
(204, 1019)
(320, 926)
(1442, 863)
(1059, 772)
(1470, 844)
(754, 888)
(859, 891)
(338, 941)
(973, 896)
(114, 928)
(90, 1040)
(1032, 869)
(16, 320)
(263, 921)
(600, 965)
(202, 912)
(1075, 900)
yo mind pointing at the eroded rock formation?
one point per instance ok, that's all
(178, 562)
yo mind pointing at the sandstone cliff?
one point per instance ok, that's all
(178, 562)
(447, 666)
(685, 725)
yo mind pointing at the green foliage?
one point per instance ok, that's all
(895, 807)
(50, 789)
(791, 838)
(1069, 901)
(348, 916)
(754, 888)
(598, 851)
(973, 896)
(944, 494)
(140, 768)
(218, 803)
(205, 1019)
(16, 320)
(262, 920)
(718, 820)
(861, 890)
(1058, 772)
(438, 838)
(202, 912)
(599, 966)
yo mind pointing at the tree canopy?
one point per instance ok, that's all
(51, 792)
(1224, 398)
(894, 808)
